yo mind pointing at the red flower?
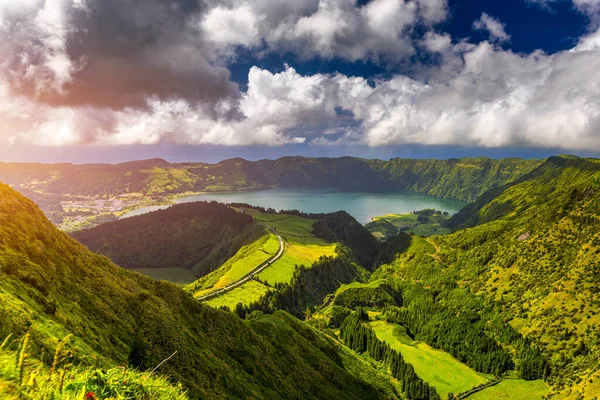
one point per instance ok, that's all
(90, 396)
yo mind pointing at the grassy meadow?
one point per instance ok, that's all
(244, 261)
(435, 367)
(302, 246)
(513, 389)
(389, 225)
(247, 293)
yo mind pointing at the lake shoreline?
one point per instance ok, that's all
(363, 206)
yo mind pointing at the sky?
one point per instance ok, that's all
(204, 80)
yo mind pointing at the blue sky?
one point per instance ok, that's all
(265, 78)
(531, 28)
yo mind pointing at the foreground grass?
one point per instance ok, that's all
(513, 389)
(435, 367)
(23, 377)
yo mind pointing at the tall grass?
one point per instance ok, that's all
(25, 377)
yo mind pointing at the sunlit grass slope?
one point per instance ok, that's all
(244, 261)
(302, 246)
(513, 389)
(387, 226)
(531, 249)
(249, 292)
(435, 367)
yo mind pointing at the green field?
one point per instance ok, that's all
(513, 389)
(389, 225)
(435, 367)
(295, 254)
(178, 275)
(244, 261)
(245, 294)
(302, 247)
(286, 225)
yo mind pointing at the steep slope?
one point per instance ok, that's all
(532, 250)
(197, 236)
(462, 179)
(51, 286)
(343, 228)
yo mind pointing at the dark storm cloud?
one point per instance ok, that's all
(122, 53)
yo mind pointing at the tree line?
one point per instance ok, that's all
(362, 339)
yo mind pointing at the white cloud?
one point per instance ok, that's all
(379, 30)
(496, 98)
(437, 43)
(227, 27)
(493, 26)
(479, 95)
(112, 53)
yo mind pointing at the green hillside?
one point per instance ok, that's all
(320, 253)
(53, 287)
(196, 236)
(531, 251)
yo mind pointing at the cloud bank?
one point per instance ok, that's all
(144, 72)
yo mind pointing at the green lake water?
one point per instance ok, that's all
(362, 206)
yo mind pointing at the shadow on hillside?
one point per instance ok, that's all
(391, 248)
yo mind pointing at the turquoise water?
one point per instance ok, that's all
(362, 206)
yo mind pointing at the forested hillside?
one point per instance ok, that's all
(530, 252)
(51, 286)
(197, 236)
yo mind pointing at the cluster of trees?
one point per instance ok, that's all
(532, 362)
(199, 236)
(342, 227)
(270, 210)
(363, 340)
(463, 336)
(429, 212)
(457, 322)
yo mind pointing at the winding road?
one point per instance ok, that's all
(250, 274)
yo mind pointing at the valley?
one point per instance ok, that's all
(421, 303)
(299, 200)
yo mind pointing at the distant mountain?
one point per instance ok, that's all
(51, 286)
(461, 179)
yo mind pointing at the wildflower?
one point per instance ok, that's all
(90, 396)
